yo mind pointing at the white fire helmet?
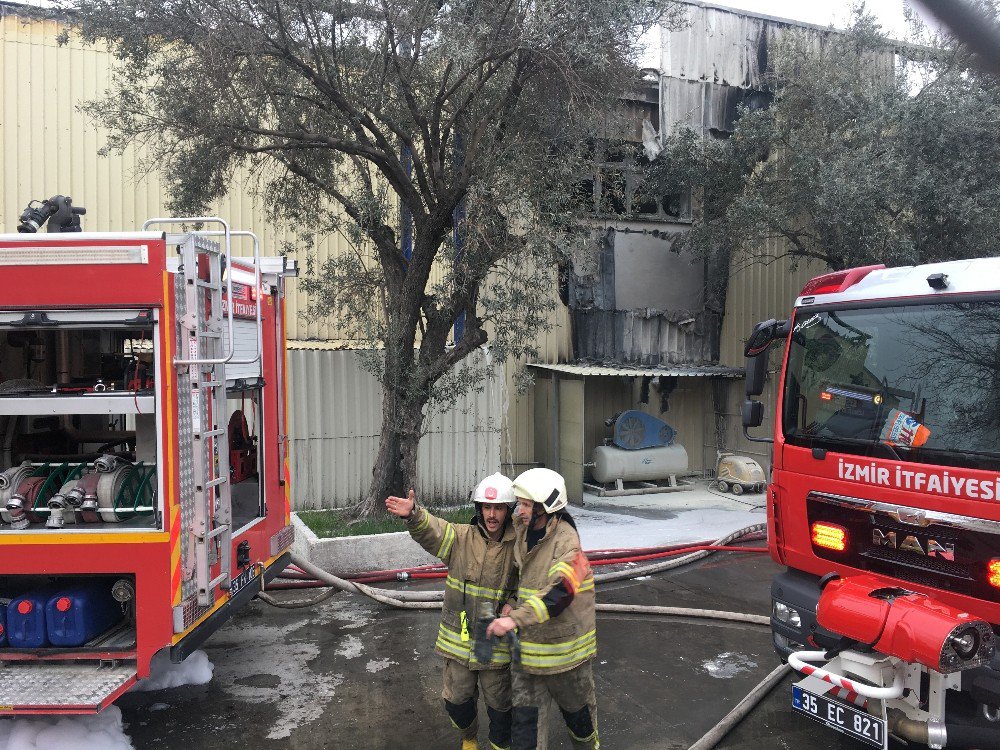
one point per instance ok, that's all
(496, 489)
(542, 486)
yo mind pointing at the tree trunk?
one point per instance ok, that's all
(395, 470)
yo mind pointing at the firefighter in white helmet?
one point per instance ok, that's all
(480, 585)
(555, 614)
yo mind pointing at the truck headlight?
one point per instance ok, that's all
(784, 613)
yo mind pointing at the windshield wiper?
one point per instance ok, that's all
(871, 444)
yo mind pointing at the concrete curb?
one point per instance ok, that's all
(358, 554)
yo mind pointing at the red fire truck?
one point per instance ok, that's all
(144, 490)
(884, 501)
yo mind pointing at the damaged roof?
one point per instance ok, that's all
(589, 370)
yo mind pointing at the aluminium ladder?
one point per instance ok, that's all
(201, 327)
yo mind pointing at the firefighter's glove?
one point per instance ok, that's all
(500, 627)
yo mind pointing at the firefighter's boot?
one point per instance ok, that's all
(582, 728)
(463, 718)
(500, 728)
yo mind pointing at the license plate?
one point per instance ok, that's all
(840, 716)
(245, 577)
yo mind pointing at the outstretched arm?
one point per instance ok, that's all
(434, 534)
(401, 506)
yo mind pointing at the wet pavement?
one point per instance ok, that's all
(353, 674)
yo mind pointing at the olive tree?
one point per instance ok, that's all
(441, 138)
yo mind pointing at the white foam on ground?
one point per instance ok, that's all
(350, 648)
(602, 530)
(378, 665)
(298, 693)
(103, 731)
(195, 670)
(728, 664)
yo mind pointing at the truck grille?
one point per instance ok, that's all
(937, 550)
(925, 564)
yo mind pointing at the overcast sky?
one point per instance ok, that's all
(825, 12)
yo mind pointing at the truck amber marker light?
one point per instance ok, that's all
(829, 536)
(993, 572)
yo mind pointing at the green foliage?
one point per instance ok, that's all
(863, 157)
(333, 523)
(350, 112)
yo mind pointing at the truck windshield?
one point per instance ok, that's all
(918, 383)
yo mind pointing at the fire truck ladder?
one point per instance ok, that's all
(202, 330)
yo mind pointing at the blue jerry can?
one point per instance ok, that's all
(26, 620)
(77, 614)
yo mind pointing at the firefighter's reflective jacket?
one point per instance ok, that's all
(481, 579)
(555, 611)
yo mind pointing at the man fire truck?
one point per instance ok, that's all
(143, 449)
(884, 502)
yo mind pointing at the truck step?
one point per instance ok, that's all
(46, 688)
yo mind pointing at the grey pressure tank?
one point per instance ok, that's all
(611, 463)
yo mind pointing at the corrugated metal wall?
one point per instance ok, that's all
(47, 147)
(334, 428)
(758, 291)
(521, 446)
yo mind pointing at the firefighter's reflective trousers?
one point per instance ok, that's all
(461, 693)
(572, 691)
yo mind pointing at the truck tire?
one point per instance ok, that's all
(723, 486)
(737, 489)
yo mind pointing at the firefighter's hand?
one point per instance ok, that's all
(507, 609)
(500, 627)
(401, 506)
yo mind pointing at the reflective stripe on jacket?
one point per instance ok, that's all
(555, 611)
(481, 579)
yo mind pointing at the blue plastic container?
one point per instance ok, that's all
(77, 614)
(3, 626)
(26, 620)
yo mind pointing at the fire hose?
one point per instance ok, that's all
(687, 555)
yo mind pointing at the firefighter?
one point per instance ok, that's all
(554, 616)
(480, 585)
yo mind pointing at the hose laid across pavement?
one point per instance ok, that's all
(714, 735)
(433, 600)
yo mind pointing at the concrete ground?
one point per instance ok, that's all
(353, 674)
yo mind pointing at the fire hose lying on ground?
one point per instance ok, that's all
(307, 575)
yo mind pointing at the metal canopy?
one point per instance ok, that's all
(703, 371)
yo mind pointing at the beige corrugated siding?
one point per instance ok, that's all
(758, 291)
(48, 147)
(334, 427)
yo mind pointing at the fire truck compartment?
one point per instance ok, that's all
(78, 419)
(68, 617)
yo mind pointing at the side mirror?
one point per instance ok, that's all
(756, 371)
(760, 338)
(752, 413)
(763, 334)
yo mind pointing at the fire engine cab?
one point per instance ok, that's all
(144, 490)
(884, 501)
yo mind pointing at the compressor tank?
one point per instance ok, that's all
(611, 463)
